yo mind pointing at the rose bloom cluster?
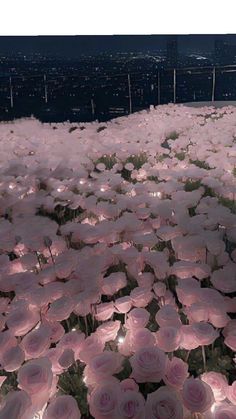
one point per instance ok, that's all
(117, 268)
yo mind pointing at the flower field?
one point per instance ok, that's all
(118, 267)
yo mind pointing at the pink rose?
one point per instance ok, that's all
(136, 339)
(230, 341)
(176, 372)
(218, 317)
(137, 318)
(21, 320)
(103, 401)
(53, 355)
(159, 289)
(168, 316)
(229, 333)
(104, 311)
(60, 309)
(124, 347)
(123, 304)
(101, 166)
(129, 166)
(113, 283)
(129, 384)
(205, 334)
(148, 365)
(224, 411)
(7, 340)
(230, 329)
(141, 296)
(16, 405)
(188, 339)
(131, 404)
(230, 303)
(231, 393)
(90, 347)
(187, 291)
(37, 297)
(4, 302)
(47, 275)
(218, 384)
(57, 330)
(197, 312)
(72, 340)
(145, 280)
(108, 331)
(67, 358)
(197, 396)
(163, 404)
(54, 290)
(83, 302)
(139, 338)
(168, 338)
(36, 342)
(35, 376)
(103, 366)
(62, 407)
(12, 358)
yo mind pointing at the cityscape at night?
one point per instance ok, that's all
(117, 210)
(100, 77)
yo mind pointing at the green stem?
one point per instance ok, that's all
(39, 260)
(49, 248)
(204, 357)
(187, 356)
(86, 325)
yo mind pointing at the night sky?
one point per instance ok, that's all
(74, 46)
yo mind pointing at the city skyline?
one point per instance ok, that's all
(49, 76)
(75, 46)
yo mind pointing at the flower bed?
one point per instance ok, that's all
(117, 267)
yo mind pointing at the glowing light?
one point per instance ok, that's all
(132, 193)
(11, 186)
(39, 415)
(102, 189)
(82, 181)
(73, 329)
(121, 339)
(158, 194)
(61, 188)
(31, 190)
(213, 407)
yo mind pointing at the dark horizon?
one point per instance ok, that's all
(77, 45)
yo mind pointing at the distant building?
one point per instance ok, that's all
(225, 53)
(172, 52)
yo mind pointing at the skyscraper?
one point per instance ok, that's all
(172, 51)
